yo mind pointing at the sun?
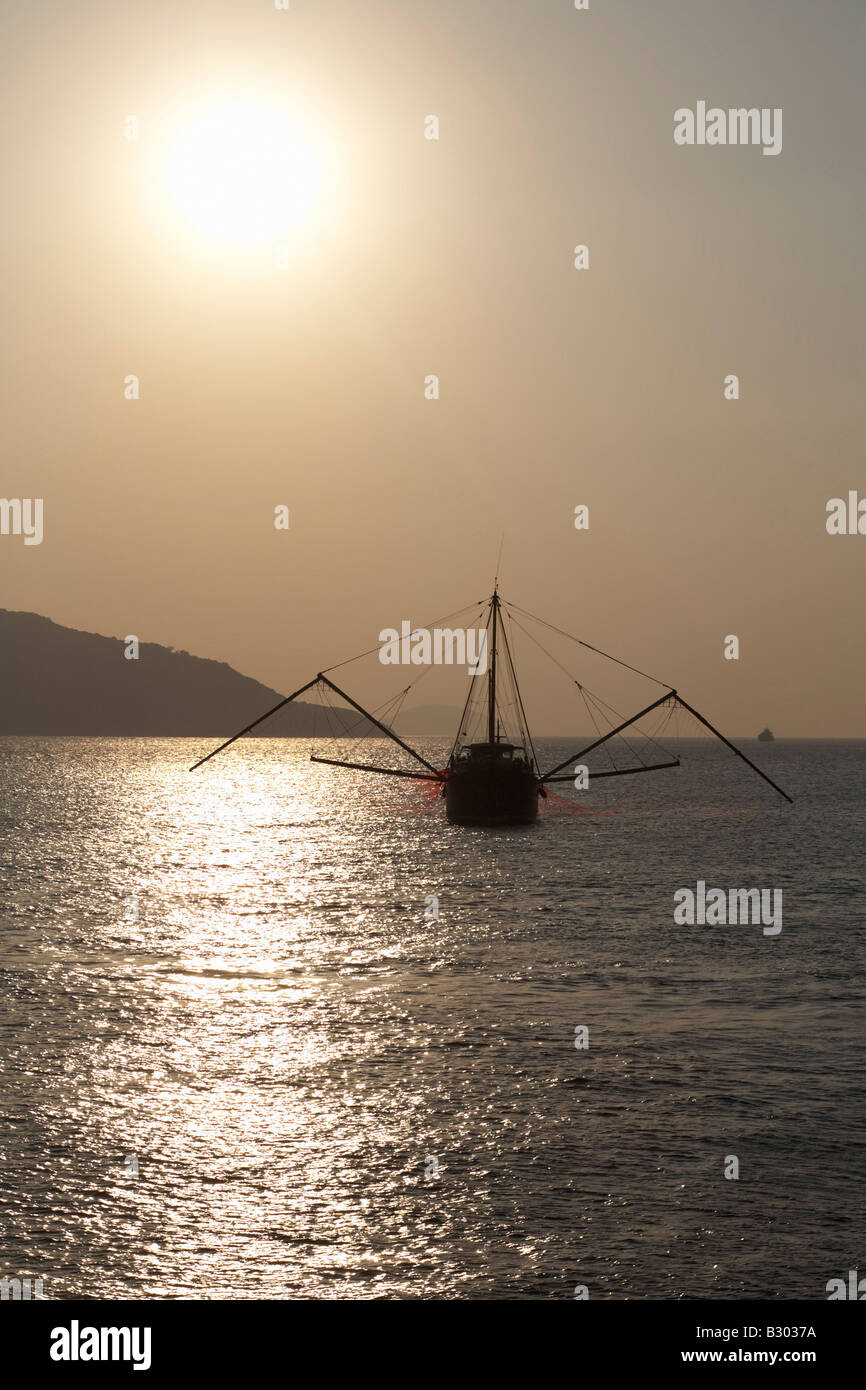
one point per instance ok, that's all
(244, 174)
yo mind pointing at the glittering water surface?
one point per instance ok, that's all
(235, 1051)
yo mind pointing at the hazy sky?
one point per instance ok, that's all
(302, 384)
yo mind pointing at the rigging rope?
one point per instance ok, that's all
(589, 647)
(470, 607)
(587, 694)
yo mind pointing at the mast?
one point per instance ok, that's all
(491, 684)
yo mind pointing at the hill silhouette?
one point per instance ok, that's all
(56, 680)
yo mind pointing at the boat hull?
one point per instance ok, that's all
(491, 793)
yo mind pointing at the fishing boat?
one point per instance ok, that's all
(766, 736)
(493, 776)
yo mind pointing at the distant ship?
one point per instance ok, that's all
(766, 736)
(495, 779)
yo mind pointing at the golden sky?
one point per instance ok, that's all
(301, 383)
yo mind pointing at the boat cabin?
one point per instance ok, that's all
(495, 750)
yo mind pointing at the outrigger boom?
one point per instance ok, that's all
(498, 782)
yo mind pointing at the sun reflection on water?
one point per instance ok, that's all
(229, 979)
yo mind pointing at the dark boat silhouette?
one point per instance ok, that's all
(766, 736)
(496, 780)
(491, 784)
